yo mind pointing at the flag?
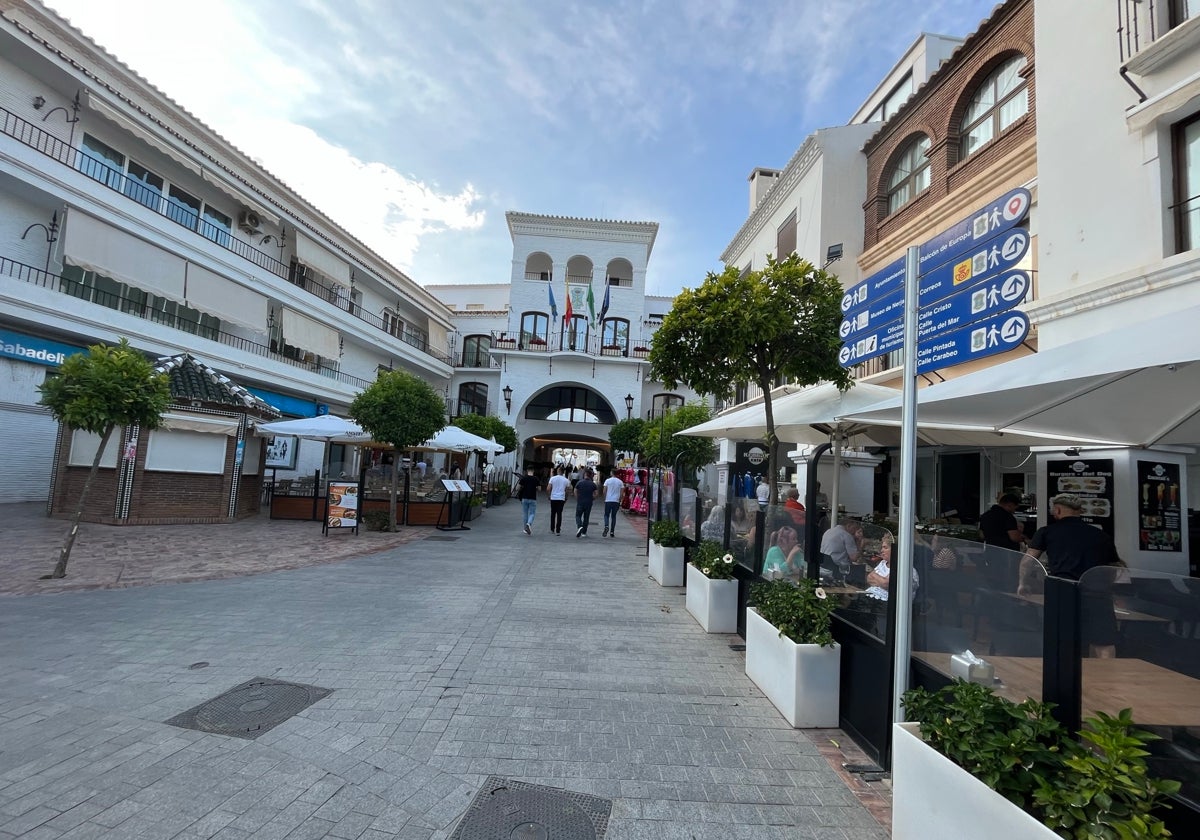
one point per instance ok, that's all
(604, 306)
(570, 312)
(553, 306)
(591, 299)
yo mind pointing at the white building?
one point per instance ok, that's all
(567, 382)
(121, 215)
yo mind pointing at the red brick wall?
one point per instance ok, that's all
(935, 111)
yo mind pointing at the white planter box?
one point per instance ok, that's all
(802, 681)
(666, 564)
(934, 797)
(713, 603)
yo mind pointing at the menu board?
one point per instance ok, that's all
(1092, 481)
(1159, 517)
(342, 508)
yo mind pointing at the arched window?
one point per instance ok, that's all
(575, 336)
(663, 403)
(1001, 100)
(535, 328)
(910, 174)
(472, 398)
(539, 266)
(615, 333)
(475, 351)
(619, 272)
(579, 270)
(570, 404)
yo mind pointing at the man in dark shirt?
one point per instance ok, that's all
(999, 528)
(585, 492)
(1072, 547)
(527, 492)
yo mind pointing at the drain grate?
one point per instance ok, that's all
(441, 539)
(250, 709)
(505, 809)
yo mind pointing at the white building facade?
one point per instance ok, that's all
(121, 215)
(567, 381)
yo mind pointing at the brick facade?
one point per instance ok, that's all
(936, 110)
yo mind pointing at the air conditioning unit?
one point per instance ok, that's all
(249, 222)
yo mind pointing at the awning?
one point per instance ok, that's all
(173, 422)
(312, 254)
(307, 334)
(91, 244)
(139, 131)
(225, 299)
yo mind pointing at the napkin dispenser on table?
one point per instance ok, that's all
(967, 666)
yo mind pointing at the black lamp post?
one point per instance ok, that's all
(629, 406)
(507, 399)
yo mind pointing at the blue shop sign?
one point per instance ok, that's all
(287, 405)
(38, 351)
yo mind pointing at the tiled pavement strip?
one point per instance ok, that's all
(552, 660)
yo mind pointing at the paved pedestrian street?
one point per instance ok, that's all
(450, 657)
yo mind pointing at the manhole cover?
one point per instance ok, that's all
(250, 709)
(508, 810)
(440, 539)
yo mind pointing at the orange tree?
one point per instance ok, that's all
(753, 327)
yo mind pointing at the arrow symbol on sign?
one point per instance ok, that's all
(1013, 288)
(1013, 329)
(1013, 245)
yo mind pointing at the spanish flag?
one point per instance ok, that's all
(570, 313)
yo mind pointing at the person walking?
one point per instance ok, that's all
(556, 489)
(613, 487)
(763, 493)
(585, 493)
(527, 493)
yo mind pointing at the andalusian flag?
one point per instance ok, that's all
(591, 299)
(553, 306)
(570, 312)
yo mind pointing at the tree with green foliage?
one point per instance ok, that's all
(487, 426)
(626, 436)
(401, 410)
(660, 444)
(97, 392)
(754, 327)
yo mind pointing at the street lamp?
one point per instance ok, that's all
(629, 406)
(507, 399)
(832, 254)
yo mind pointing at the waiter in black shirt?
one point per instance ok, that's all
(1000, 528)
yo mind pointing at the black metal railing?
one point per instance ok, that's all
(570, 341)
(1142, 22)
(172, 208)
(141, 307)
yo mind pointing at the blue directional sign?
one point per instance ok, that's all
(969, 305)
(1002, 214)
(884, 311)
(995, 256)
(984, 338)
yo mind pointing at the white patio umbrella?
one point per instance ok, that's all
(460, 440)
(327, 427)
(1137, 385)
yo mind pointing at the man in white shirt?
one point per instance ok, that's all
(763, 492)
(613, 488)
(556, 489)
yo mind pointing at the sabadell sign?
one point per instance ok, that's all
(39, 351)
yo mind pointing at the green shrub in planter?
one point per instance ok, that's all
(375, 520)
(666, 533)
(1096, 789)
(710, 558)
(801, 611)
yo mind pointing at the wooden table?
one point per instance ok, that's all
(1158, 696)
(1121, 613)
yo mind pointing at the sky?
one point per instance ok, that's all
(416, 124)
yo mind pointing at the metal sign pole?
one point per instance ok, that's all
(900, 585)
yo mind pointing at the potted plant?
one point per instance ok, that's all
(666, 552)
(498, 493)
(790, 651)
(611, 350)
(641, 352)
(978, 765)
(712, 593)
(536, 343)
(506, 342)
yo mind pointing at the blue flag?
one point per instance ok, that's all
(604, 306)
(553, 306)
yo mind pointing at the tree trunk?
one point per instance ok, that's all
(396, 464)
(769, 410)
(60, 568)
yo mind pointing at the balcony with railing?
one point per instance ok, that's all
(140, 307)
(569, 341)
(1140, 23)
(148, 196)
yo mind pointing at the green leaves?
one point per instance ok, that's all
(666, 533)
(626, 436)
(400, 409)
(107, 387)
(801, 611)
(709, 557)
(659, 443)
(487, 426)
(1099, 788)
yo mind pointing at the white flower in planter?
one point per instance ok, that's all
(820, 593)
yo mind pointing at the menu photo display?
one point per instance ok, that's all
(1089, 479)
(1160, 519)
(342, 508)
